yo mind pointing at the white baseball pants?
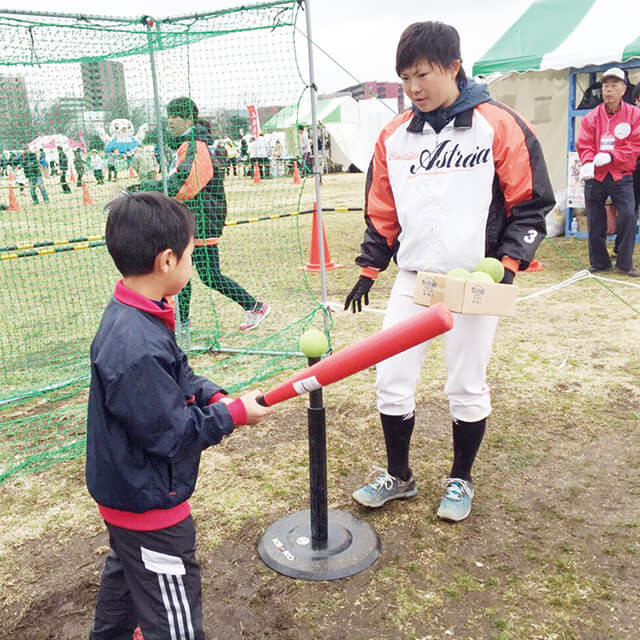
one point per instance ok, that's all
(467, 351)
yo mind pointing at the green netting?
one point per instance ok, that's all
(64, 81)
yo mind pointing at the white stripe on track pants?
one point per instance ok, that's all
(150, 578)
(467, 352)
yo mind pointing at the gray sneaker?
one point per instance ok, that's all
(456, 504)
(384, 488)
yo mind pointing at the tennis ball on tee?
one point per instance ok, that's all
(459, 273)
(481, 276)
(493, 267)
(313, 343)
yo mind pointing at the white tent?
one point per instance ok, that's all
(352, 126)
(528, 68)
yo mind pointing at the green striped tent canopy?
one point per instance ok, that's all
(329, 110)
(557, 34)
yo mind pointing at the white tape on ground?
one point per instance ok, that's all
(337, 306)
(576, 277)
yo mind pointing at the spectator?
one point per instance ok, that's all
(263, 153)
(608, 145)
(244, 154)
(63, 163)
(78, 163)
(97, 166)
(31, 166)
(232, 157)
(44, 163)
(144, 163)
(278, 167)
(305, 150)
(220, 159)
(112, 169)
(19, 177)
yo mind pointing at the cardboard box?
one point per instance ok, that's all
(465, 296)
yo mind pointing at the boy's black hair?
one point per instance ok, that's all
(184, 108)
(635, 94)
(141, 225)
(436, 42)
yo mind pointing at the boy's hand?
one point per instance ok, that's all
(255, 412)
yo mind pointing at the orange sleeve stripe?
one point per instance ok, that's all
(381, 207)
(200, 174)
(370, 272)
(511, 263)
(509, 142)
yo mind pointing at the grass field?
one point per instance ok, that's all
(52, 303)
(551, 550)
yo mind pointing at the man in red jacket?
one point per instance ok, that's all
(609, 146)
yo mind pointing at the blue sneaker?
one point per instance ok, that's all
(384, 488)
(456, 504)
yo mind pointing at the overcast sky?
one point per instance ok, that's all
(361, 35)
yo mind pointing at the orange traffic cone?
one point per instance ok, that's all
(13, 201)
(72, 177)
(313, 265)
(256, 173)
(132, 173)
(86, 196)
(46, 172)
(296, 174)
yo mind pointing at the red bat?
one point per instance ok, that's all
(418, 328)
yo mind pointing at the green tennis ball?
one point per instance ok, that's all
(481, 276)
(493, 267)
(313, 343)
(459, 273)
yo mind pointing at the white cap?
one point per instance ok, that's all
(614, 72)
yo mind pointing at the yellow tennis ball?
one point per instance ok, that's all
(313, 343)
(481, 276)
(493, 267)
(459, 273)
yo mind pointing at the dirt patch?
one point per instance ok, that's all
(552, 547)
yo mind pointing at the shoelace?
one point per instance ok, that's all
(456, 489)
(383, 480)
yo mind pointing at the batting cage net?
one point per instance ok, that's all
(83, 116)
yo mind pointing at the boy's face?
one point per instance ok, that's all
(430, 87)
(178, 125)
(181, 273)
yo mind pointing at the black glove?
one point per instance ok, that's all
(508, 277)
(361, 289)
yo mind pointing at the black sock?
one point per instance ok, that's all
(397, 436)
(467, 437)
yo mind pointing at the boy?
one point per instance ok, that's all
(149, 419)
(454, 179)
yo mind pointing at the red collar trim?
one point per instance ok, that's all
(133, 299)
